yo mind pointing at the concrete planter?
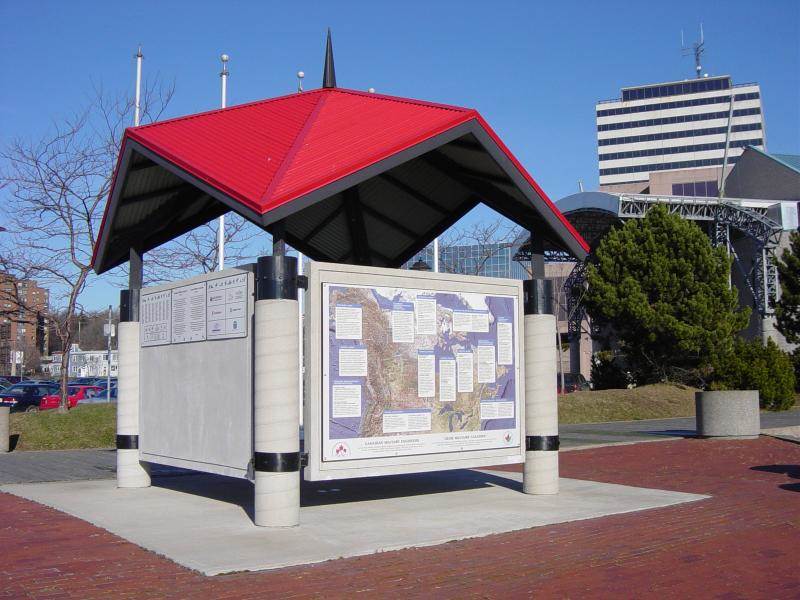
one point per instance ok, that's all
(732, 413)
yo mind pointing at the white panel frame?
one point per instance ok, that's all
(321, 273)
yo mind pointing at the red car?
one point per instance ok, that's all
(76, 393)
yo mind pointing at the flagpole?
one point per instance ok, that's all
(221, 226)
(137, 106)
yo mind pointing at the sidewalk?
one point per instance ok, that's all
(742, 542)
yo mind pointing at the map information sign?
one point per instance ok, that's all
(409, 372)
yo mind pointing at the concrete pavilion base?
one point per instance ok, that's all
(204, 521)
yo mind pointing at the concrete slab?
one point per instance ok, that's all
(203, 522)
(791, 433)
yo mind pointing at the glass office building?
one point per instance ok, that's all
(487, 260)
(493, 260)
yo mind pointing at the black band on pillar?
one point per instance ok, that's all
(546, 443)
(538, 296)
(127, 442)
(129, 305)
(276, 462)
(276, 278)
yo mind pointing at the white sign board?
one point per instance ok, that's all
(196, 377)
(411, 372)
(226, 307)
(154, 316)
(206, 310)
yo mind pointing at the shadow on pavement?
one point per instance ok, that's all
(792, 471)
(684, 433)
(317, 493)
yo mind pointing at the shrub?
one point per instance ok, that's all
(663, 289)
(751, 366)
(607, 373)
(795, 358)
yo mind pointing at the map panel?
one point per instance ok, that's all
(411, 372)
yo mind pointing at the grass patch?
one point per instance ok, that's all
(90, 426)
(94, 425)
(658, 401)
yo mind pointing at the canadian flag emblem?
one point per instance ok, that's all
(341, 450)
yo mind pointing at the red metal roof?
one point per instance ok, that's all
(259, 158)
(266, 153)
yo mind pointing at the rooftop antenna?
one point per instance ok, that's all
(329, 73)
(300, 76)
(697, 49)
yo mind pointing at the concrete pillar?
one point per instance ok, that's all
(540, 475)
(276, 414)
(5, 429)
(131, 472)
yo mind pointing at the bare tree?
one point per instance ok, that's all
(468, 250)
(198, 251)
(54, 195)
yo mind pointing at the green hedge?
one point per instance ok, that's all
(752, 366)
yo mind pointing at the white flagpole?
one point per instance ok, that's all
(221, 227)
(436, 255)
(301, 295)
(137, 106)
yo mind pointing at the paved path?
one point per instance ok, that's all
(74, 465)
(741, 542)
(65, 465)
(652, 429)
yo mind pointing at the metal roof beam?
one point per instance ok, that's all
(419, 196)
(355, 221)
(166, 214)
(394, 224)
(183, 186)
(467, 205)
(324, 223)
(500, 200)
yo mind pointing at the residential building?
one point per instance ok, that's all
(23, 324)
(83, 363)
(676, 126)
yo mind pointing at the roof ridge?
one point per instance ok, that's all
(318, 91)
(402, 99)
(295, 147)
(778, 157)
(227, 109)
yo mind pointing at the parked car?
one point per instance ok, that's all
(4, 383)
(573, 382)
(82, 380)
(25, 397)
(75, 394)
(101, 395)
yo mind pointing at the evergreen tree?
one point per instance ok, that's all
(663, 288)
(787, 310)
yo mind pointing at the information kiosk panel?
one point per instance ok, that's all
(196, 373)
(410, 371)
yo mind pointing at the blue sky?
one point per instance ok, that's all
(533, 69)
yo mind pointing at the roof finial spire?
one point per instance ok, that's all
(329, 73)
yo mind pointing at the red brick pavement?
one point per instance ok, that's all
(742, 543)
